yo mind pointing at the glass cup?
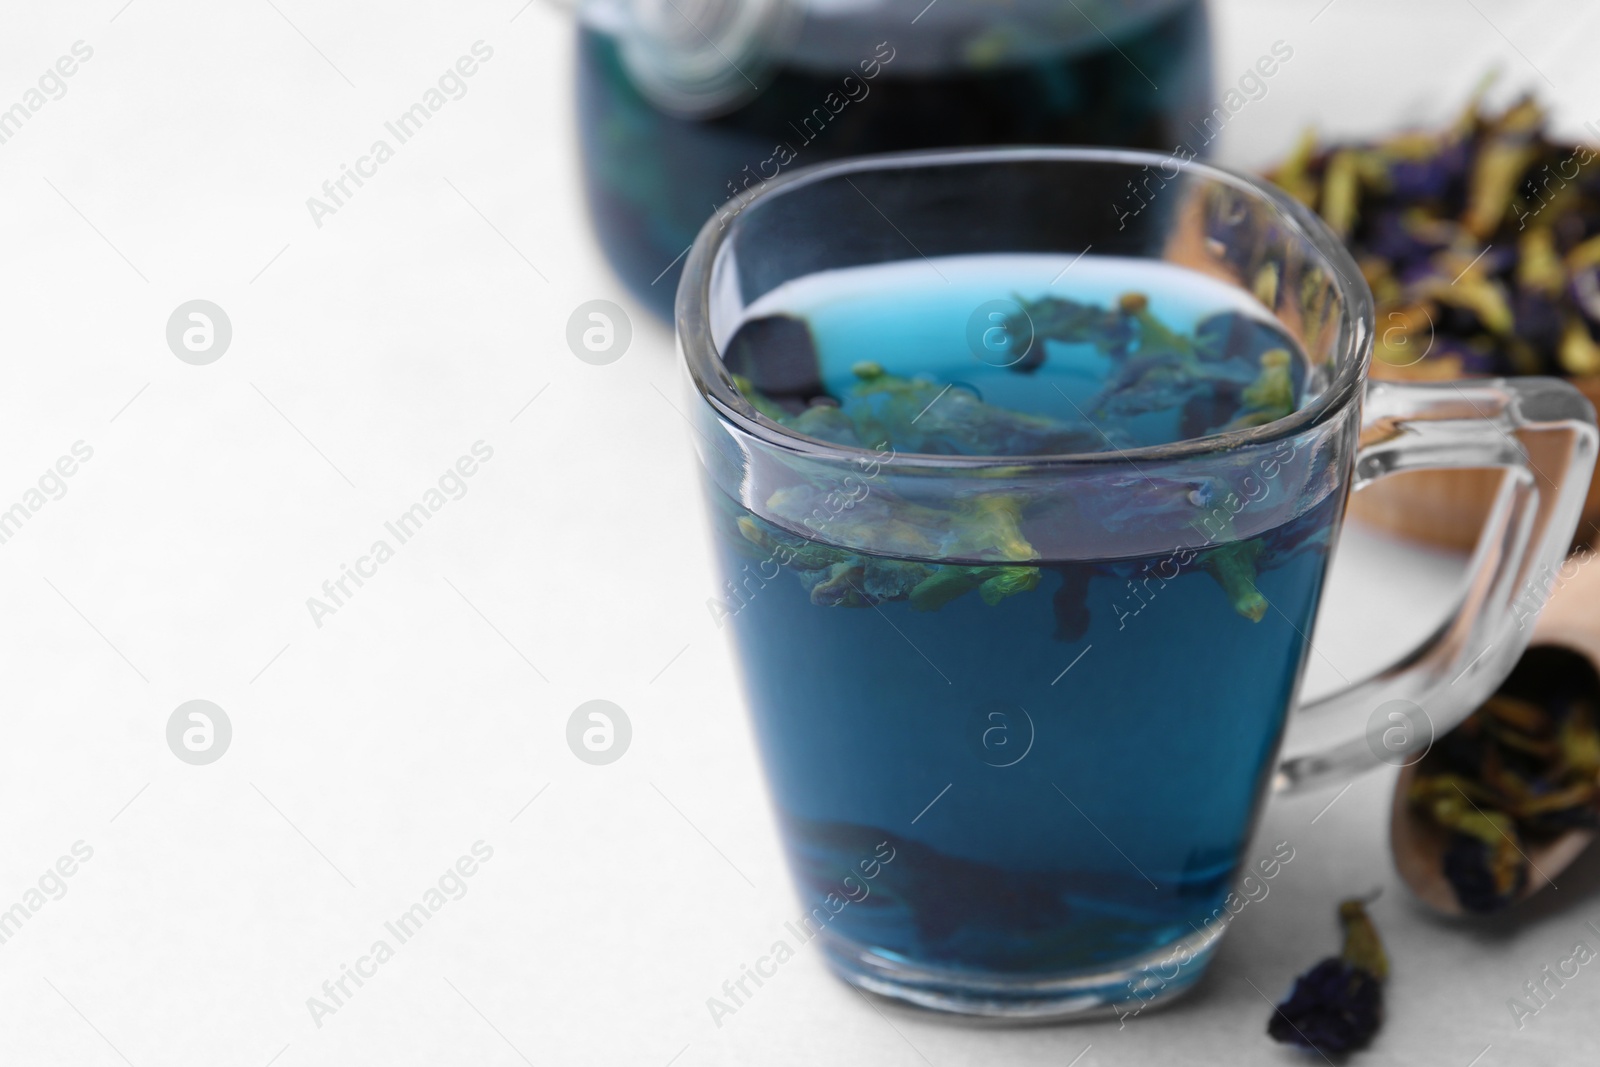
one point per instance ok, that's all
(1029, 793)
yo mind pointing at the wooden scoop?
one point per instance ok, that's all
(1570, 622)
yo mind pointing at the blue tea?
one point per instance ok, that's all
(850, 79)
(1062, 750)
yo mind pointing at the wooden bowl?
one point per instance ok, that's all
(1448, 508)
(1568, 623)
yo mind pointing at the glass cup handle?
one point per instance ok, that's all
(1541, 431)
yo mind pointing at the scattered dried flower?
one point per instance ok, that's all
(1337, 1006)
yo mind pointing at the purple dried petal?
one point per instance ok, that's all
(1416, 272)
(1574, 228)
(1388, 236)
(1538, 320)
(1334, 1008)
(1438, 177)
(1466, 868)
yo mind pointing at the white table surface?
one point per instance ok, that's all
(370, 753)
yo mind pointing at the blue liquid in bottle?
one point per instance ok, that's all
(856, 79)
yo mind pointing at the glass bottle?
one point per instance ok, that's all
(686, 107)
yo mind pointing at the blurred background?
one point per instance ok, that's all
(364, 344)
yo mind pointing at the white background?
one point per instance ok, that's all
(369, 754)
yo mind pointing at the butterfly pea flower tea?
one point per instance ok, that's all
(869, 642)
(1022, 521)
(690, 106)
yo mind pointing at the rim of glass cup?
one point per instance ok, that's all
(715, 385)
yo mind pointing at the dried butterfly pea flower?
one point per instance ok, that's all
(1486, 876)
(1272, 395)
(1234, 568)
(1423, 170)
(1068, 321)
(1469, 868)
(1509, 146)
(1233, 565)
(1229, 335)
(1516, 773)
(1337, 1006)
